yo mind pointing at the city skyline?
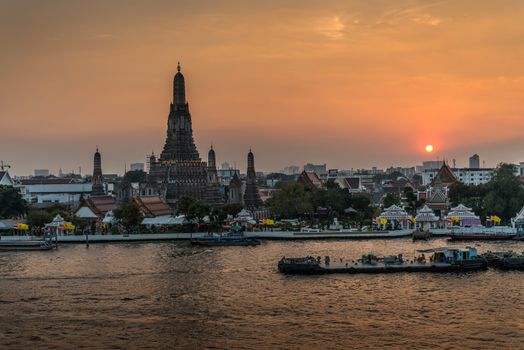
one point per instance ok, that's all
(297, 82)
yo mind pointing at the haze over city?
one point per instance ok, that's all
(348, 83)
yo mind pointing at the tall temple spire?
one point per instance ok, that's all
(213, 195)
(179, 88)
(211, 158)
(179, 168)
(251, 196)
(97, 182)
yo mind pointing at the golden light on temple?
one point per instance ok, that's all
(429, 148)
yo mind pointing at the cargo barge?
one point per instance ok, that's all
(442, 260)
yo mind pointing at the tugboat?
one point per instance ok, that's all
(230, 239)
(442, 260)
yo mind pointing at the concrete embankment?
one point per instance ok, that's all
(115, 238)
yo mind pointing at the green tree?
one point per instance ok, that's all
(232, 209)
(129, 214)
(193, 209)
(291, 201)
(390, 199)
(411, 200)
(11, 202)
(38, 217)
(504, 193)
(334, 198)
(136, 176)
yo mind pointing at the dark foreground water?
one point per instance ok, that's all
(174, 296)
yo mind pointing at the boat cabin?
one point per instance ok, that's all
(447, 255)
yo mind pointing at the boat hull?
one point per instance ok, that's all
(25, 245)
(473, 237)
(317, 269)
(225, 242)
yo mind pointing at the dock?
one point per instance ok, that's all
(140, 237)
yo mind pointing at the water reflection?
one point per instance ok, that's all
(172, 295)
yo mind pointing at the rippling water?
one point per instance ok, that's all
(172, 295)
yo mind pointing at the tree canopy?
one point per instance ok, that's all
(390, 199)
(136, 176)
(193, 209)
(11, 202)
(129, 214)
(291, 201)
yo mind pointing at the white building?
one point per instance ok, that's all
(291, 170)
(42, 172)
(319, 169)
(464, 175)
(50, 191)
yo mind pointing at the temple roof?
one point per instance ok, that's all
(426, 214)
(461, 211)
(99, 205)
(520, 216)
(152, 206)
(395, 212)
(310, 180)
(444, 176)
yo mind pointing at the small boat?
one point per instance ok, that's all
(442, 260)
(481, 233)
(26, 245)
(225, 240)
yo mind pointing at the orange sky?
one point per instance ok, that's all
(349, 83)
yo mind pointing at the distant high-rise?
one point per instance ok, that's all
(41, 172)
(179, 167)
(474, 162)
(136, 166)
(319, 169)
(251, 196)
(98, 180)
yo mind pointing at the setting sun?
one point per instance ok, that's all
(429, 148)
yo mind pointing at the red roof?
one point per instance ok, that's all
(310, 180)
(152, 206)
(353, 182)
(100, 205)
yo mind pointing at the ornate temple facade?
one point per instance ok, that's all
(251, 196)
(437, 192)
(98, 180)
(179, 171)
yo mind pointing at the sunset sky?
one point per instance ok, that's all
(350, 83)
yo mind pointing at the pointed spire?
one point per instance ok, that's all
(179, 88)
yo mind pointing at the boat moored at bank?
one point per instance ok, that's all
(478, 233)
(225, 240)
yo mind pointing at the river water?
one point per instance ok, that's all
(174, 296)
